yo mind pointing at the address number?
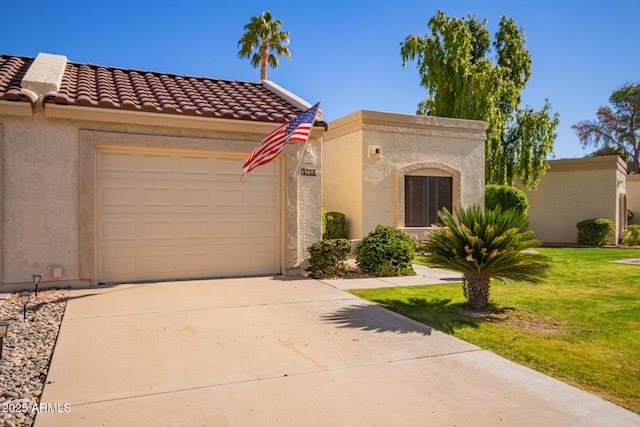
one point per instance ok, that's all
(308, 172)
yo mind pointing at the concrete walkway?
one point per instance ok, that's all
(268, 351)
(424, 276)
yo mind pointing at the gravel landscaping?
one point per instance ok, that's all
(27, 352)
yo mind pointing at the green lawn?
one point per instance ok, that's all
(581, 325)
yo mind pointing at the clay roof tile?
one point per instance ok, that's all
(119, 88)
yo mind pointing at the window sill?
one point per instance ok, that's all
(416, 233)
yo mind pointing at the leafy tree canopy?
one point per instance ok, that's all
(463, 81)
(263, 41)
(616, 129)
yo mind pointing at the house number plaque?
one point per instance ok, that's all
(308, 172)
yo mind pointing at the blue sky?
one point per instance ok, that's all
(345, 53)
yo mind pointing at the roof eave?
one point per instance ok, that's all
(16, 108)
(108, 115)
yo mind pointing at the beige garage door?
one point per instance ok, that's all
(178, 215)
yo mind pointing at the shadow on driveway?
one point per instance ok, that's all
(369, 317)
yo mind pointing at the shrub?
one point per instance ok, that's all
(595, 232)
(324, 222)
(485, 245)
(335, 226)
(386, 252)
(327, 258)
(629, 214)
(506, 197)
(632, 238)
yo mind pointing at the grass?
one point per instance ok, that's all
(581, 325)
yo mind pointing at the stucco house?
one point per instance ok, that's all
(112, 174)
(400, 169)
(573, 190)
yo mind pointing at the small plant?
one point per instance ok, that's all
(327, 258)
(419, 247)
(632, 238)
(335, 225)
(324, 222)
(386, 251)
(595, 232)
(629, 214)
(506, 197)
(482, 246)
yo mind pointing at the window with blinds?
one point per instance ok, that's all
(424, 196)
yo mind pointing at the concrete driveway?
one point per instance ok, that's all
(264, 351)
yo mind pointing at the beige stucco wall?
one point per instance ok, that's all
(48, 201)
(573, 190)
(408, 144)
(633, 197)
(40, 198)
(342, 173)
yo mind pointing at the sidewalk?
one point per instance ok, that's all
(424, 276)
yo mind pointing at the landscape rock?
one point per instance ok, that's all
(27, 351)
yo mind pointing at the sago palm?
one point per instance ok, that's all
(263, 35)
(485, 245)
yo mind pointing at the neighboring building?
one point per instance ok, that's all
(399, 169)
(114, 175)
(573, 190)
(633, 192)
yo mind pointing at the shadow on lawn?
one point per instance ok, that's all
(443, 314)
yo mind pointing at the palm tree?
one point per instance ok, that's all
(263, 34)
(482, 246)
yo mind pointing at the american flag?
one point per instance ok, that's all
(298, 129)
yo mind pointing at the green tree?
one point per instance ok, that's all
(616, 129)
(263, 42)
(462, 81)
(482, 246)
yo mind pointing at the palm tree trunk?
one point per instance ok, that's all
(477, 290)
(264, 58)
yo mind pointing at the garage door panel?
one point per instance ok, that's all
(195, 165)
(176, 215)
(199, 197)
(264, 198)
(156, 163)
(116, 266)
(116, 196)
(119, 162)
(227, 197)
(160, 264)
(193, 229)
(263, 229)
(157, 230)
(262, 256)
(117, 230)
(229, 166)
(134, 229)
(156, 196)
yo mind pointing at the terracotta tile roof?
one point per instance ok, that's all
(12, 70)
(149, 91)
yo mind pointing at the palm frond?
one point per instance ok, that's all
(263, 32)
(495, 244)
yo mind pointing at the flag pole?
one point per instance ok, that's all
(304, 147)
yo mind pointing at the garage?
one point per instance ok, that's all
(116, 175)
(169, 214)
